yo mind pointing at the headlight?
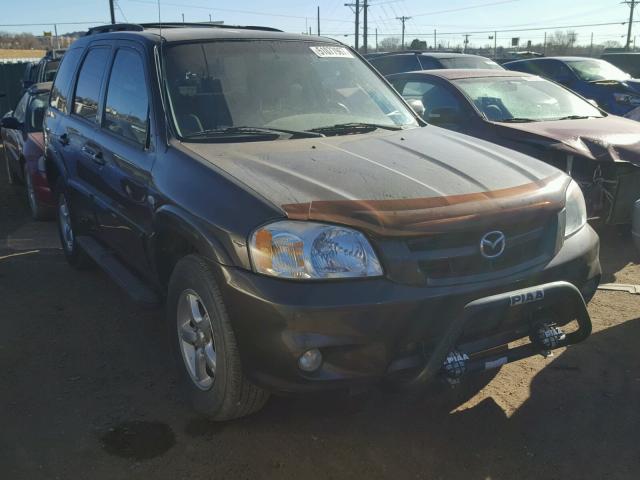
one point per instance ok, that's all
(627, 98)
(307, 250)
(576, 210)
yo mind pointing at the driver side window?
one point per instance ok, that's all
(441, 106)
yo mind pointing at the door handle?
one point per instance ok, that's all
(93, 155)
(64, 139)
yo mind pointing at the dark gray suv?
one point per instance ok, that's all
(304, 227)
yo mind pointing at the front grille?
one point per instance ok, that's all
(453, 258)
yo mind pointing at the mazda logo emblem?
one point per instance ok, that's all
(492, 244)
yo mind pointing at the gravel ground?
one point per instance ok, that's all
(87, 390)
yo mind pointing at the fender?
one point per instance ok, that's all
(53, 159)
(204, 238)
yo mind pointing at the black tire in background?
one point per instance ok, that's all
(230, 394)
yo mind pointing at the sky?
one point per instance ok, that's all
(451, 19)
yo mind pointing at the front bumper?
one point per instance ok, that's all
(363, 326)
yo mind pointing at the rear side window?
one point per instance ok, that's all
(62, 85)
(127, 104)
(86, 99)
(416, 90)
(429, 63)
(20, 110)
(396, 64)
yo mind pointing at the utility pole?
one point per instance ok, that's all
(376, 39)
(495, 45)
(318, 20)
(544, 44)
(365, 38)
(210, 18)
(355, 7)
(113, 12)
(466, 42)
(403, 20)
(632, 6)
(55, 30)
(591, 46)
(435, 43)
(183, 18)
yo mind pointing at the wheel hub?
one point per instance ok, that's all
(64, 218)
(196, 340)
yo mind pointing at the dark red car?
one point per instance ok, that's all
(542, 119)
(23, 146)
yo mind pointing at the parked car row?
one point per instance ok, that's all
(43, 70)
(23, 146)
(542, 119)
(306, 229)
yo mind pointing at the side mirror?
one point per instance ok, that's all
(417, 107)
(593, 102)
(11, 123)
(27, 83)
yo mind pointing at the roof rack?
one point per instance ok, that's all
(135, 27)
(207, 25)
(115, 27)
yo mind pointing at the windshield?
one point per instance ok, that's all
(295, 86)
(470, 62)
(36, 109)
(593, 70)
(504, 99)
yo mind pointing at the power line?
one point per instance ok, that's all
(560, 27)
(470, 7)
(249, 12)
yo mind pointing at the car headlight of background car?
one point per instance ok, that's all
(309, 250)
(627, 98)
(575, 208)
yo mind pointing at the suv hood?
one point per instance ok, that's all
(392, 183)
(609, 139)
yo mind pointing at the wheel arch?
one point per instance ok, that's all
(177, 234)
(54, 167)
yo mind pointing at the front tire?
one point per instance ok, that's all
(205, 346)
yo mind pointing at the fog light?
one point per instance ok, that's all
(310, 360)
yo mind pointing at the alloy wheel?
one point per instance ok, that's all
(196, 339)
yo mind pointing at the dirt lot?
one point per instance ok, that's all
(87, 390)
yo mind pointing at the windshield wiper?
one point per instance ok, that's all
(254, 131)
(517, 120)
(575, 117)
(353, 127)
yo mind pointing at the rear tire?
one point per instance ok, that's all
(67, 229)
(38, 212)
(10, 178)
(205, 346)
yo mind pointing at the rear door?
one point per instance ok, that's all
(126, 155)
(80, 129)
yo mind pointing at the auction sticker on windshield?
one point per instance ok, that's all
(331, 52)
